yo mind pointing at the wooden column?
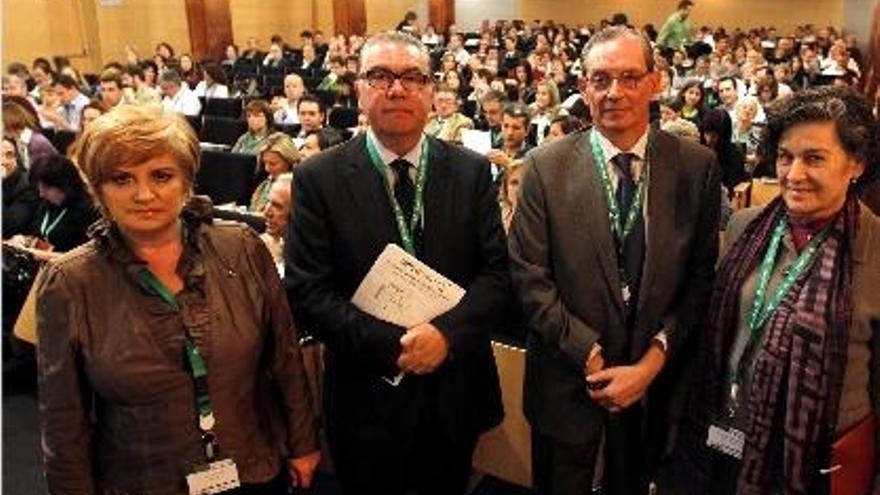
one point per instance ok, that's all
(210, 28)
(441, 13)
(349, 17)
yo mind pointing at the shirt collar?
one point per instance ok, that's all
(609, 150)
(413, 156)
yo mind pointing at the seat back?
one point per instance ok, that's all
(224, 107)
(226, 177)
(222, 130)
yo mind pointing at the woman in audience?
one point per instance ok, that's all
(92, 111)
(693, 100)
(65, 210)
(788, 364)
(545, 108)
(20, 200)
(319, 140)
(189, 72)
(509, 192)
(231, 56)
(260, 124)
(767, 90)
(716, 130)
(522, 74)
(194, 360)
(213, 83)
(21, 124)
(746, 132)
(277, 156)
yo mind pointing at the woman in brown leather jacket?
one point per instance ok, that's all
(167, 354)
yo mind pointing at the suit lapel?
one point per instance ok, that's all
(662, 158)
(593, 226)
(367, 190)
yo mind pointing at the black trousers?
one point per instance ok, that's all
(429, 463)
(561, 468)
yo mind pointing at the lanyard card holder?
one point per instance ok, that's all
(213, 477)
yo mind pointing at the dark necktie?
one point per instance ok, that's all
(632, 252)
(404, 189)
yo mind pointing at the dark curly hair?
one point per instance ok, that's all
(857, 129)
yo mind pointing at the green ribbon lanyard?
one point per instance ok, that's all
(46, 228)
(620, 226)
(197, 367)
(763, 309)
(405, 229)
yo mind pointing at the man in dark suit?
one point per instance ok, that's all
(608, 310)
(351, 201)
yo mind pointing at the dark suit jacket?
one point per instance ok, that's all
(564, 270)
(342, 222)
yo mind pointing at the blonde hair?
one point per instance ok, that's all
(283, 145)
(134, 134)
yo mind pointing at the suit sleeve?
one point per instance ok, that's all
(482, 308)
(284, 355)
(356, 337)
(532, 274)
(701, 263)
(65, 394)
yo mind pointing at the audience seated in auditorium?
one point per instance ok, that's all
(213, 83)
(447, 122)
(260, 126)
(178, 97)
(278, 156)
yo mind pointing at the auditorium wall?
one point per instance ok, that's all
(383, 15)
(783, 14)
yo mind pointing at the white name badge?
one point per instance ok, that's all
(726, 440)
(216, 477)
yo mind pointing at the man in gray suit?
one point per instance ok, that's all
(613, 249)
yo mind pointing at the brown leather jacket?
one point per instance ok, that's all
(117, 404)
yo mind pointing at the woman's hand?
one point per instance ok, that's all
(302, 469)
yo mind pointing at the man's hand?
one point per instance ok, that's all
(302, 469)
(595, 362)
(424, 349)
(499, 158)
(626, 384)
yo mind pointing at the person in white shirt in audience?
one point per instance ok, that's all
(286, 107)
(277, 211)
(213, 83)
(67, 116)
(178, 96)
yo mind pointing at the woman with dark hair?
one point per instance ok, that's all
(65, 210)
(260, 123)
(19, 198)
(716, 132)
(189, 70)
(213, 83)
(522, 74)
(692, 98)
(788, 386)
(561, 126)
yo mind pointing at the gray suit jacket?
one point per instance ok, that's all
(564, 270)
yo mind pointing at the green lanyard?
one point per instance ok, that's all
(763, 309)
(46, 228)
(406, 230)
(197, 367)
(620, 226)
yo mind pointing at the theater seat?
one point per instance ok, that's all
(222, 130)
(223, 107)
(226, 177)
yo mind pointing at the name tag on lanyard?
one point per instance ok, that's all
(216, 477)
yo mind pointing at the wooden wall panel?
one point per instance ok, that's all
(441, 13)
(43, 29)
(141, 24)
(261, 19)
(384, 15)
(350, 16)
(210, 27)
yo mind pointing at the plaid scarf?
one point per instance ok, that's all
(797, 375)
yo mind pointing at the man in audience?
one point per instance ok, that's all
(447, 123)
(514, 131)
(277, 214)
(728, 93)
(111, 88)
(676, 31)
(311, 114)
(414, 433)
(72, 103)
(492, 106)
(285, 108)
(178, 96)
(609, 303)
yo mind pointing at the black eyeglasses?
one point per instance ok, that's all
(382, 79)
(602, 81)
